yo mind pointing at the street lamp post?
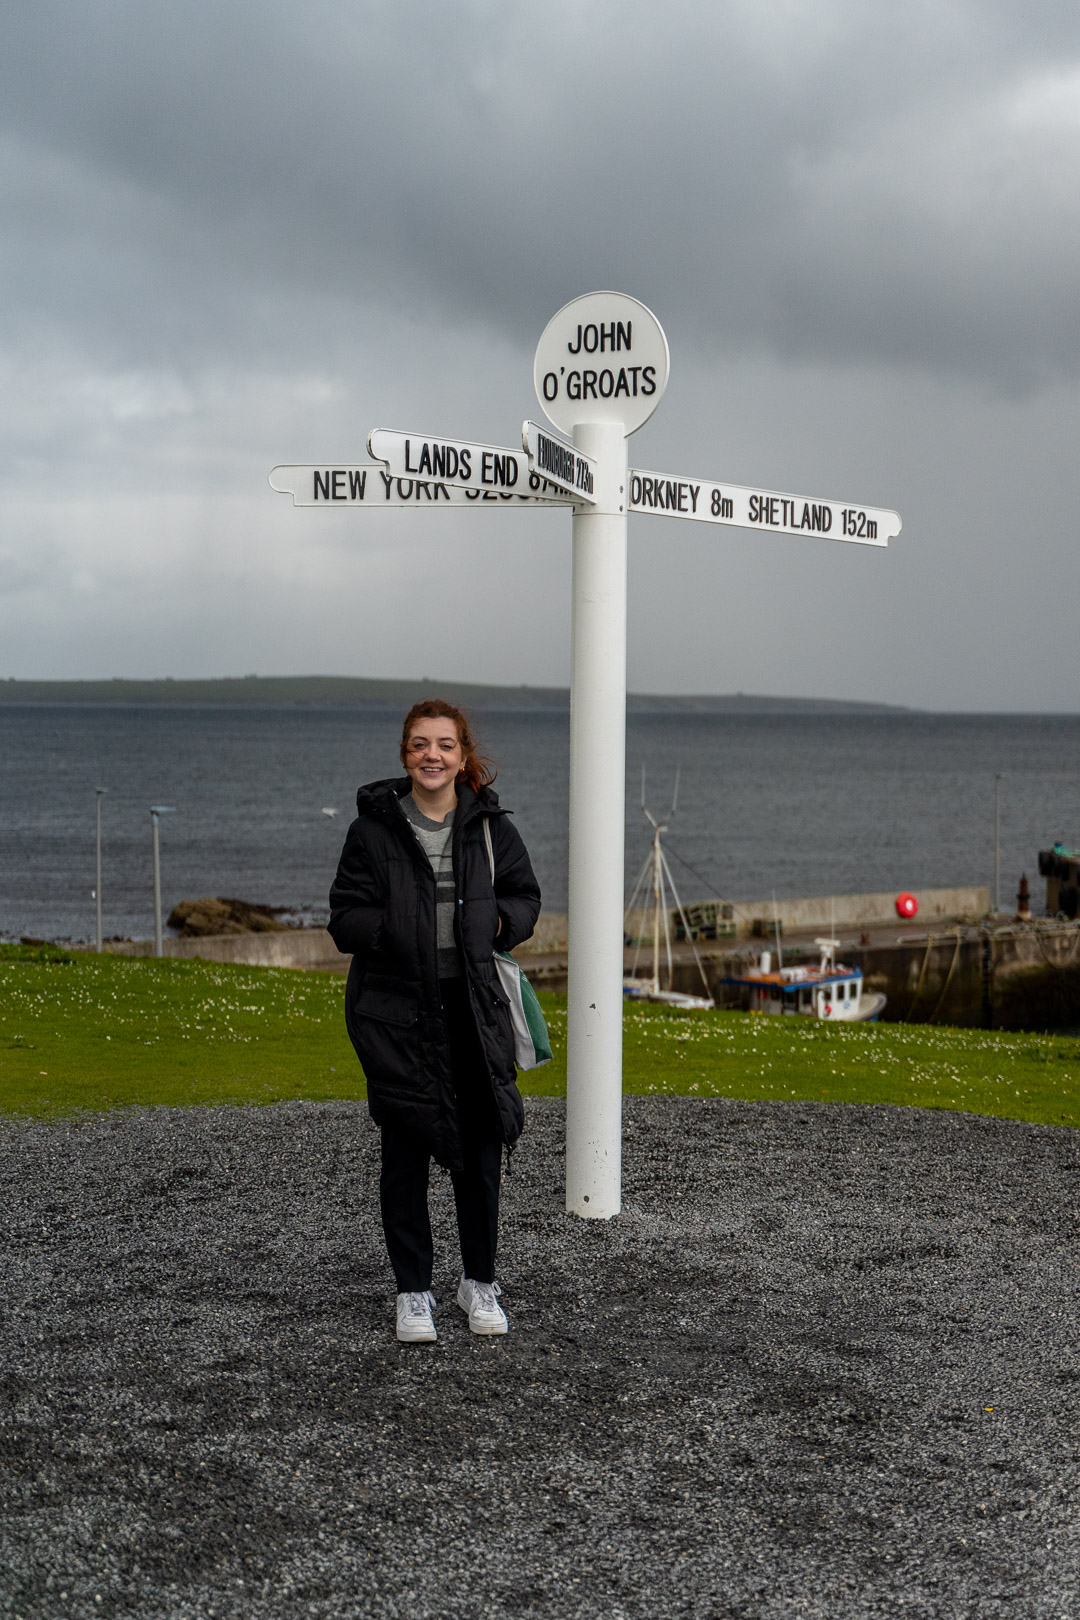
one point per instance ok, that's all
(97, 890)
(997, 840)
(157, 810)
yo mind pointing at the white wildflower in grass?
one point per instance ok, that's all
(249, 1034)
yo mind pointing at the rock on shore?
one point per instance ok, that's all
(196, 918)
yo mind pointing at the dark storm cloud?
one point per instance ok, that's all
(827, 181)
(236, 234)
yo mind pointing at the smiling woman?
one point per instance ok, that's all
(432, 872)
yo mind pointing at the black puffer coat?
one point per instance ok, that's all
(382, 909)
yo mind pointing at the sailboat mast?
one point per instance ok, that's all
(656, 866)
(656, 910)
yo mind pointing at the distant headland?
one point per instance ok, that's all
(356, 692)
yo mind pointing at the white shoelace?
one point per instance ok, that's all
(484, 1295)
(419, 1304)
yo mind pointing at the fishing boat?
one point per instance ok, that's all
(655, 878)
(829, 990)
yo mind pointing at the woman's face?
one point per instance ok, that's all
(433, 754)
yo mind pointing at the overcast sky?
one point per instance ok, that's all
(238, 234)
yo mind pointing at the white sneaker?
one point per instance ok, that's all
(486, 1315)
(415, 1324)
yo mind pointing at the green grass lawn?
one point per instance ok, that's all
(79, 1031)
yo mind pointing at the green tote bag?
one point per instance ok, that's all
(532, 1045)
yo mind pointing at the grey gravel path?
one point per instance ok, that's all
(825, 1364)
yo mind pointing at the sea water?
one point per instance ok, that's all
(806, 804)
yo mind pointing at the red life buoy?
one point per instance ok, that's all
(828, 1008)
(906, 905)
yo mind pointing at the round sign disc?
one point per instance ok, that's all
(602, 358)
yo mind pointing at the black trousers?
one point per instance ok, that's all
(406, 1165)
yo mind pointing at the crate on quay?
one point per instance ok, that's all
(707, 919)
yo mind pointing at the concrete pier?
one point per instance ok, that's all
(954, 964)
(313, 947)
(291, 948)
(820, 913)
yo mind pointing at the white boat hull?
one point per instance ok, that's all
(636, 991)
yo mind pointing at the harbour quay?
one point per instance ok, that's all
(989, 973)
(956, 962)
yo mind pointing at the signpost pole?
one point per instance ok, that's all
(597, 815)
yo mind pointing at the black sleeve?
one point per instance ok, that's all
(357, 898)
(516, 889)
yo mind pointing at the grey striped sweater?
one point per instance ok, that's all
(434, 838)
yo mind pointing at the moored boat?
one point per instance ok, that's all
(829, 990)
(655, 876)
(645, 990)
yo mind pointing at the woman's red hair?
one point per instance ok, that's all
(476, 769)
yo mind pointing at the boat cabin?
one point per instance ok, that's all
(804, 990)
(829, 990)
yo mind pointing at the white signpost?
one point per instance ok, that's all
(600, 370)
(702, 500)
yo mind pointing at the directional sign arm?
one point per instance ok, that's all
(461, 463)
(369, 484)
(560, 463)
(704, 501)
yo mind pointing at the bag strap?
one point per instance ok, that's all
(490, 851)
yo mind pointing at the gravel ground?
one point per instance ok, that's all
(825, 1363)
